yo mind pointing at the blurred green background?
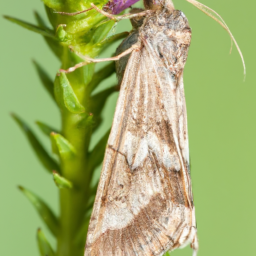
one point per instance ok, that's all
(221, 119)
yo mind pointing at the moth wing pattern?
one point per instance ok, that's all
(144, 201)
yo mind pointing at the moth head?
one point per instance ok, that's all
(158, 4)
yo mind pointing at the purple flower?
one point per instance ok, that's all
(116, 6)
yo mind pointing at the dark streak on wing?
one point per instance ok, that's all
(174, 183)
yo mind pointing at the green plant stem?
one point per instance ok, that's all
(73, 202)
(70, 38)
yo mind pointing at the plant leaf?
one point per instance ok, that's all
(109, 40)
(98, 100)
(88, 72)
(97, 154)
(90, 45)
(48, 162)
(62, 146)
(61, 182)
(43, 210)
(41, 22)
(54, 4)
(43, 244)
(81, 235)
(46, 129)
(86, 121)
(97, 103)
(61, 33)
(54, 45)
(65, 95)
(45, 79)
(31, 27)
(102, 74)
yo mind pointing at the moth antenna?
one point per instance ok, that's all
(231, 47)
(211, 13)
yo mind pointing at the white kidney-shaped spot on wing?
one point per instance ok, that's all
(116, 218)
(170, 160)
(167, 157)
(154, 145)
(130, 146)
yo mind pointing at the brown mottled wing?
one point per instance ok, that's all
(143, 204)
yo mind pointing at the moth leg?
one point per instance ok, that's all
(90, 60)
(108, 15)
(121, 17)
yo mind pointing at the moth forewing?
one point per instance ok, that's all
(144, 202)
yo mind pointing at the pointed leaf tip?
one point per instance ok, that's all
(48, 162)
(20, 188)
(65, 95)
(43, 210)
(46, 129)
(44, 246)
(45, 79)
(40, 21)
(61, 182)
(61, 146)
(31, 27)
(86, 121)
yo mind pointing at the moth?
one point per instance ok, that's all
(144, 203)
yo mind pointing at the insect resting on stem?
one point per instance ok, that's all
(144, 203)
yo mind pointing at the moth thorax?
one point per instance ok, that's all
(158, 4)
